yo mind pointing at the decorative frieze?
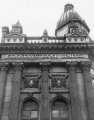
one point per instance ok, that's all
(44, 56)
(22, 48)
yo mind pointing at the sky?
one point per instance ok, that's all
(38, 15)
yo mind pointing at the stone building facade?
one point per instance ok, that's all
(48, 77)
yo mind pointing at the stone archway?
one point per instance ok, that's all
(30, 110)
(59, 108)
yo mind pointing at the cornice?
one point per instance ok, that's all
(42, 60)
(23, 47)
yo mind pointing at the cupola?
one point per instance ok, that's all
(70, 18)
(17, 28)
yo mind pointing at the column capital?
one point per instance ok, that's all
(85, 66)
(71, 66)
(44, 65)
(4, 66)
(18, 65)
(71, 63)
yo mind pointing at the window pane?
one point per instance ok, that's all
(26, 114)
(63, 114)
(30, 110)
(59, 110)
(55, 113)
(34, 114)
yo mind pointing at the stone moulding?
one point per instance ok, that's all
(43, 46)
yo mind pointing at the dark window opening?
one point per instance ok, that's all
(59, 110)
(30, 111)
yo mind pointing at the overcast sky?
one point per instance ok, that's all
(37, 15)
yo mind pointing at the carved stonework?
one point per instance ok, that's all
(31, 82)
(34, 48)
(71, 66)
(59, 81)
(44, 66)
(18, 66)
(85, 66)
(4, 66)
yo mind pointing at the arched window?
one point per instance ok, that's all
(30, 110)
(59, 110)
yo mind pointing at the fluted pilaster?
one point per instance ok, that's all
(15, 97)
(77, 92)
(82, 95)
(87, 86)
(3, 78)
(44, 112)
(75, 109)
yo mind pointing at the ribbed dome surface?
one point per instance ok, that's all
(69, 15)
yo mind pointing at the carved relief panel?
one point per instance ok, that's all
(59, 78)
(31, 77)
(31, 80)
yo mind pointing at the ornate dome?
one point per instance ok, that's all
(17, 28)
(68, 16)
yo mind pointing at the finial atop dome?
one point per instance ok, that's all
(18, 23)
(45, 33)
(68, 7)
(17, 28)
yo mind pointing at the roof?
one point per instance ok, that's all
(70, 15)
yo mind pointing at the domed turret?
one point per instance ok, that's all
(17, 28)
(5, 30)
(45, 35)
(69, 16)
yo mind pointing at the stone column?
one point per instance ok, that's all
(15, 97)
(87, 86)
(44, 107)
(75, 109)
(3, 78)
(82, 95)
(77, 94)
